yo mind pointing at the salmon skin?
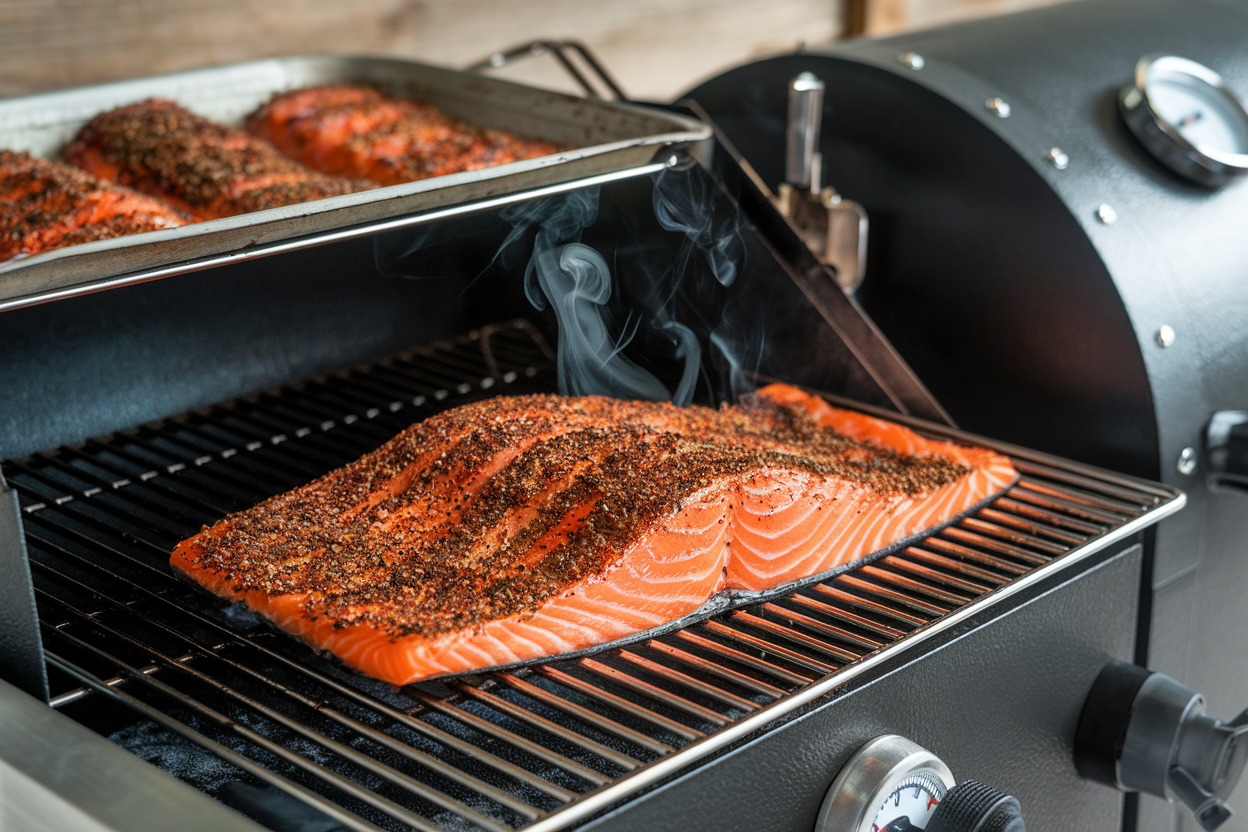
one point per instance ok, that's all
(207, 169)
(521, 528)
(46, 205)
(357, 131)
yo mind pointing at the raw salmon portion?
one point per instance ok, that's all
(45, 205)
(357, 131)
(519, 528)
(207, 169)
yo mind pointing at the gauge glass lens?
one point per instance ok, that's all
(909, 806)
(1199, 111)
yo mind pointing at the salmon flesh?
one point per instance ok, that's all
(45, 205)
(354, 130)
(519, 528)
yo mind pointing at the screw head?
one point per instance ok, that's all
(1165, 335)
(913, 60)
(1187, 462)
(1057, 158)
(1106, 214)
(999, 106)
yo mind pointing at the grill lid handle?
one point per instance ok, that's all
(1143, 731)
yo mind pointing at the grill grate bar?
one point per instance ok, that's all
(214, 652)
(965, 536)
(946, 564)
(584, 714)
(891, 633)
(345, 752)
(618, 702)
(344, 784)
(524, 745)
(1139, 494)
(770, 691)
(837, 591)
(331, 809)
(755, 662)
(654, 692)
(1030, 525)
(686, 681)
(958, 550)
(916, 586)
(516, 712)
(766, 646)
(839, 633)
(751, 619)
(399, 717)
(1095, 516)
(536, 749)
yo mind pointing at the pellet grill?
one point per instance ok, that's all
(137, 409)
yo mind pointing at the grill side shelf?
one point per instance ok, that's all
(542, 747)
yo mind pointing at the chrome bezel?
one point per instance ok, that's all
(1163, 140)
(871, 775)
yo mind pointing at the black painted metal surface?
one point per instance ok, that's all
(985, 257)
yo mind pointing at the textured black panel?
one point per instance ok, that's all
(21, 650)
(998, 703)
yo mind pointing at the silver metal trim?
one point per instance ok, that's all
(437, 215)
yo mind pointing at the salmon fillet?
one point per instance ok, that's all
(357, 131)
(520, 528)
(206, 169)
(45, 205)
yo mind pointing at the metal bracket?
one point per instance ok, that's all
(563, 52)
(21, 647)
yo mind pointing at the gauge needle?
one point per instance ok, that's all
(1192, 119)
(901, 824)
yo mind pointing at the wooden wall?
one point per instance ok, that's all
(657, 48)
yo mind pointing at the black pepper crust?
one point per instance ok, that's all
(211, 169)
(46, 205)
(491, 509)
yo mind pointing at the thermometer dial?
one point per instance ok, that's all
(889, 785)
(1186, 116)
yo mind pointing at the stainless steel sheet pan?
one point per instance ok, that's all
(607, 138)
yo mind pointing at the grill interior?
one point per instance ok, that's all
(215, 696)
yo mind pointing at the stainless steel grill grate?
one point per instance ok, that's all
(542, 747)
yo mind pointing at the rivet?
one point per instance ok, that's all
(1106, 214)
(999, 106)
(1057, 158)
(1165, 335)
(913, 60)
(1187, 462)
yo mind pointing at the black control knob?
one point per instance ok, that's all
(1142, 731)
(1226, 446)
(973, 807)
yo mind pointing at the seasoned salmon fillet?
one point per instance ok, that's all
(207, 169)
(46, 205)
(358, 131)
(520, 528)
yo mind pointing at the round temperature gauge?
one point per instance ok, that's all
(1187, 117)
(889, 785)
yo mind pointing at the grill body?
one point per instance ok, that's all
(979, 641)
(1028, 316)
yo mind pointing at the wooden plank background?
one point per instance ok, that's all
(657, 48)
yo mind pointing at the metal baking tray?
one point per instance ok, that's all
(609, 139)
